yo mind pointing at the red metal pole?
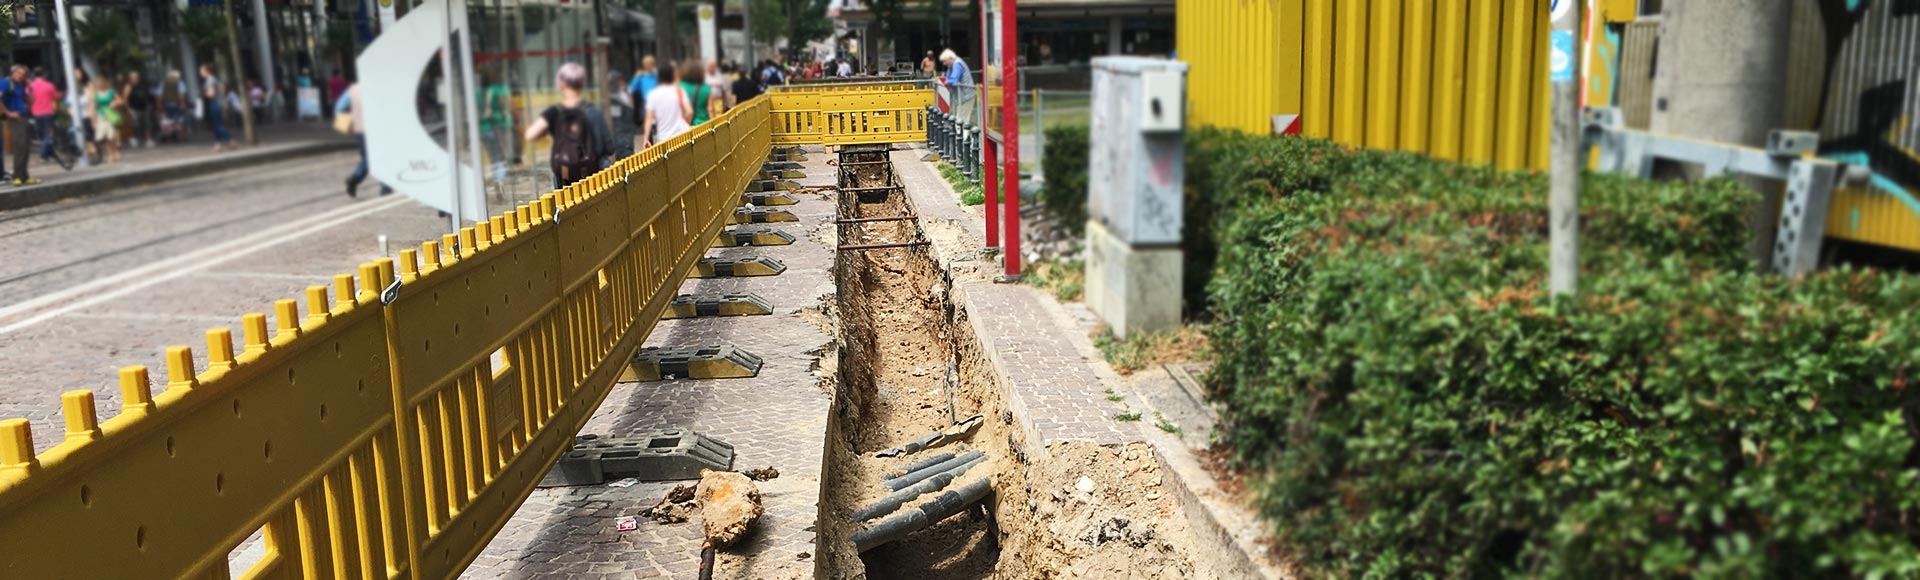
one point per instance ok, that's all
(990, 184)
(1010, 127)
(990, 167)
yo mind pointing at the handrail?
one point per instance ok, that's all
(382, 436)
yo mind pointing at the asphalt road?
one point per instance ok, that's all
(89, 286)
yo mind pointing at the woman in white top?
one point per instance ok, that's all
(668, 111)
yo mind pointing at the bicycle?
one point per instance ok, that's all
(66, 151)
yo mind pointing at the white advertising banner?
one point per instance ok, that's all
(400, 152)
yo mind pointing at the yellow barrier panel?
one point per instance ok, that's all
(1456, 79)
(382, 438)
(851, 114)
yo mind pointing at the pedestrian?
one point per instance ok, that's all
(719, 85)
(106, 118)
(211, 90)
(926, 65)
(669, 111)
(83, 84)
(45, 104)
(693, 82)
(581, 138)
(846, 69)
(14, 97)
(745, 87)
(140, 110)
(349, 104)
(173, 104)
(256, 95)
(959, 83)
(336, 86)
(622, 117)
(496, 123)
(644, 80)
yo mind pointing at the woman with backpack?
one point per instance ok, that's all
(581, 138)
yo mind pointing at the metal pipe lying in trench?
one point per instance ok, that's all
(919, 465)
(919, 475)
(942, 507)
(894, 500)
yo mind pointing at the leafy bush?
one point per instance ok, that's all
(1064, 163)
(1414, 404)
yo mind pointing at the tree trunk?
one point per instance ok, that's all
(666, 31)
(793, 27)
(233, 76)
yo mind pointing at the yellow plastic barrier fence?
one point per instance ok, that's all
(851, 114)
(390, 429)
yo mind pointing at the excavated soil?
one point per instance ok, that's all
(908, 365)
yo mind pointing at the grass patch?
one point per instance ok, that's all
(1065, 279)
(1164, 425)
(970, 193)
(1127, 417)
(1144, 350)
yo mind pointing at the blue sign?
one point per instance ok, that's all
(1560, 61)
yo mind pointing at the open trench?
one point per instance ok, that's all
(908, 365)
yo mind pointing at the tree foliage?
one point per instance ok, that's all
(804, 20)
(109, 38)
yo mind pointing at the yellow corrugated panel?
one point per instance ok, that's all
(1874, 217)
(1483, 81)
(1540, 139)
(1383, 75)
(1289, 23)
(1350, 72)
(1517, 75)
(1416, 66)
(1449, 77)
(1457, 79)
(1317, 82)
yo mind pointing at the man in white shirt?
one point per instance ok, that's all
(669, 113)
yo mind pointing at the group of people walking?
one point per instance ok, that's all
(661, 101)
(115, 112)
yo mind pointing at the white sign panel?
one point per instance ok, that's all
(400, 152)
(709, 40)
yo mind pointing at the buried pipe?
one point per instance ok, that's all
(960, 430)
(894, 500)
(919, 465)
(919, 475)
(940, 508)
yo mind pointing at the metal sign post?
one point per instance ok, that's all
(73, 92)
(1563, 196)
(1010, 135)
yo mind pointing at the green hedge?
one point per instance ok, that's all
(1064, 163)
(1412, 404)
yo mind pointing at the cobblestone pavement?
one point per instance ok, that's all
(777, 419)
(90, 286)
(199, 146)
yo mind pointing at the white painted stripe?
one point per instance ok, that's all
(153, 316)
(134, 280)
